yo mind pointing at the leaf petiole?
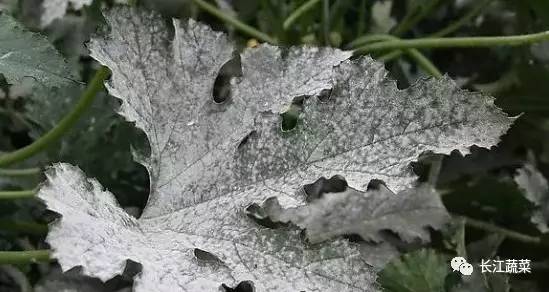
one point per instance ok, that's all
(453, 42)
(418, 57)
(511, 234)
(298, 12)
(466, 18)
(24, 257)
(63, 126)
(234, 22)
(414, 17)
(11, 195)
(20, 172)
(477, 9)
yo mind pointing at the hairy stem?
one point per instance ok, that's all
(456, 42)
(298, 12)
(63, 126)
(511, 234)
(247, 29)
(24, 257)
(20, 172)
(11, 195)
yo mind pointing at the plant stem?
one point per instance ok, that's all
(63, 126)
(360, 41)
(511, 234)
(456, 42)
(298, 12)
(326, 21)
(447, 30)
(24, 227)
(466, 18)
(424, 63)
(24, 257)
(234, 22)
(413, 18)
(390, 56)
(20, 172)
(416, 55)
(11, 195)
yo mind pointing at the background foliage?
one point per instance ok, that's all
(479, 186)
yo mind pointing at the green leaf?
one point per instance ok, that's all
(26, 54)
(420, 271)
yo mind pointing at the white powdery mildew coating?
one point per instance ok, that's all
(269, 78)
(93, 227)
(369, 129)
(54, 9)
(366, 214)
(201, 182)
(535, 188)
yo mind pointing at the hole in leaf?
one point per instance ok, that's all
(131, 270)
(421, 169)
(222, 84)
(289, 119)
(298, 101)
(245, 140)
(375, 184)
(335, 184)
(205, 256)
(325, 95)
(354, 238)
(291, 116)
(244, 286)
(258, 214)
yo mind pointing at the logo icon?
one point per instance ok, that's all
(460, 264)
